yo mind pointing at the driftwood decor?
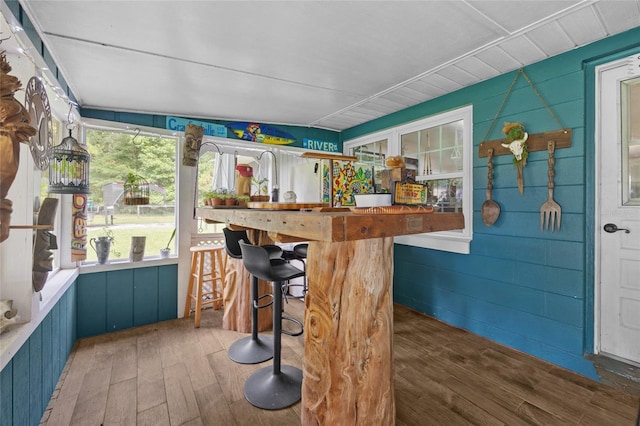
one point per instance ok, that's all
(535, 142)
(43, 243)
(14, 128)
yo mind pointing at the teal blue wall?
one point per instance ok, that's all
(116, 300)
(28, 380)
(95, 304)
(528, 289)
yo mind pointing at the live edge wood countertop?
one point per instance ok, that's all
(286, 226)
(348, 371)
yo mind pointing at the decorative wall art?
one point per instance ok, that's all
(262, 133)
(192, 142)
(79, 225)
(344, 179)
(14, 128)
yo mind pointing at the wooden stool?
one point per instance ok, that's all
(203, 283)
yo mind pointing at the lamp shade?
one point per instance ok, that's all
(69, 168)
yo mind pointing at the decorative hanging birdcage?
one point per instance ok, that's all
(136, 190)
(69, 168)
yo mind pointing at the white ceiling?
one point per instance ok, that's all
(324, 64)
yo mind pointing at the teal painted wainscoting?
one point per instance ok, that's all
(520, 286)
(116, 300)
(29, 379)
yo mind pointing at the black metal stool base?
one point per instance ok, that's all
(250, 351)
(270, 391)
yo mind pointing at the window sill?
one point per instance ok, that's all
(117, 265)
(15, 336)
(437, 241)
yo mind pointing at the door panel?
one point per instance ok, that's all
(619, 251)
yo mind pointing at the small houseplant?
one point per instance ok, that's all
(261, 192)
(165, 252)
(230, 199)
(136, 190)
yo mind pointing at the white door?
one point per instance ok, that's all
(618, 214)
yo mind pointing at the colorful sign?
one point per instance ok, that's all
(178, 124)
(261, 133)
(79, 228)
(344, 179)
(319, 145)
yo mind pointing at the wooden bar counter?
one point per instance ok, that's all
(348, 326)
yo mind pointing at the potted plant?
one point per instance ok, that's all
(207, 198)
(136, 190)
(219, 196)
(165, 252)
(231, 199)
(243, 200)
(261, 192)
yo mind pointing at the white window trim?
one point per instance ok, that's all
(182, 210)
(452, 241)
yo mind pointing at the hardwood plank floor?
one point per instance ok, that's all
(172, 374)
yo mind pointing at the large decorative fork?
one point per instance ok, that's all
(550, 211)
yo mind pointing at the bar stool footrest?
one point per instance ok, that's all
(270, 391)
(266, 305)
(291, 333)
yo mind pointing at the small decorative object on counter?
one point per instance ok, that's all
(165, 252)
(244, 173)
(8, 315)
(394, 162)
(517, 144)
(290, 197)
(102, 246)
(137, 249)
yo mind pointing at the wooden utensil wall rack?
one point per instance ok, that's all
(535, 142)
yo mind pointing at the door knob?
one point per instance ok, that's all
(611, 228)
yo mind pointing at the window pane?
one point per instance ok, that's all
(373, 153)
(446, 194)
(436, 150)
(114, 155)
(631, 142)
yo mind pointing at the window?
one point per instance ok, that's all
(115, 155)
(439, 149)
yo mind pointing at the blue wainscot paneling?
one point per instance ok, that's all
(520, 286)
(117, 300)
(28, 380)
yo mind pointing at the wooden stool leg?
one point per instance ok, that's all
(199, 289)
(218, 293)
(187, 304)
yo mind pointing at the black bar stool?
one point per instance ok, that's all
(251, 349)
(300, 251)
(280, 386)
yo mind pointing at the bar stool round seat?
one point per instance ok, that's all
(276, 387)
(252, 349)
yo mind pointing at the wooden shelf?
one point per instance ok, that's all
(535, 142)
(324, 156)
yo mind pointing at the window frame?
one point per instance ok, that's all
(451, 241)
(180, 210)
